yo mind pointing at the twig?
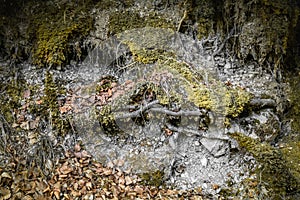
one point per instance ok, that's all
(223, 44)
(137, 112)
(263, 103)
(182, 19)
(179, 113)
(163, 110)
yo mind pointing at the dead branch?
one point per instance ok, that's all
(150, 107)
(223, 43)
(263, 103)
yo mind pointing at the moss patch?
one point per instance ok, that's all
(155, 178)
(275, 173)
(210, 94)
(56, 34)
(127, 20)
(51, 107)
(107, 121)
(291, 153)
(294, 112)
(12, 92)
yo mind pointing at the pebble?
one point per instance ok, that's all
(204, 161)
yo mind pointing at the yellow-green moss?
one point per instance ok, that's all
(55, 31)
(112, 4)
(51, 107)
(294, 97)
(127, 20)
(210, 94)
(291, 153)
(53, 44)
(274, 171)
(150, 46)
(11, 100)
(155, 178)
(107, 120)
(148, 56)
(105, 83)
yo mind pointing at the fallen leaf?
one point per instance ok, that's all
(39, 102)
(77, 147)
(128, 180)
(5, 175)
(5, 193)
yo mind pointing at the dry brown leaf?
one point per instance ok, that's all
(77, 148)
(57, 186)
(27, 197)
(89, 174)
(25, 125)
(85, 154)
(110, 164)
(107, 171)
(5, 175)
(215, 186)
(131, 194)
(47, 189)
(62, 176)
(35, 123)
(89, 185)
(78, 154)
(76, 193)
(153, 191)
(65, 169)
(168, 132)
(56, 194)
(109, 93)
(14, 125)
(81, 182)
(65, 108)
(39, 102)
(120, 163)
(128, 180)
(121, 181)
(75, 186)
(138, 189)
(5, 193)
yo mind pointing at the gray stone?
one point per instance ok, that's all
(215, 146)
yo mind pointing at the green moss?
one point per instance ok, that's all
(105, 83)
(113, 4)
(294, 112)
(155, 178)
(291, 153)
(51, 107)
(107, 120)
(56, 33)
(150, 46)
(274, 171)
(126, 20)
(210, 94)
(11, 101)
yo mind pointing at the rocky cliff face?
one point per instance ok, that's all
(179, 87)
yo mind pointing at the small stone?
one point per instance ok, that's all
(227, 66)
(204, 161)
(216, 147)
